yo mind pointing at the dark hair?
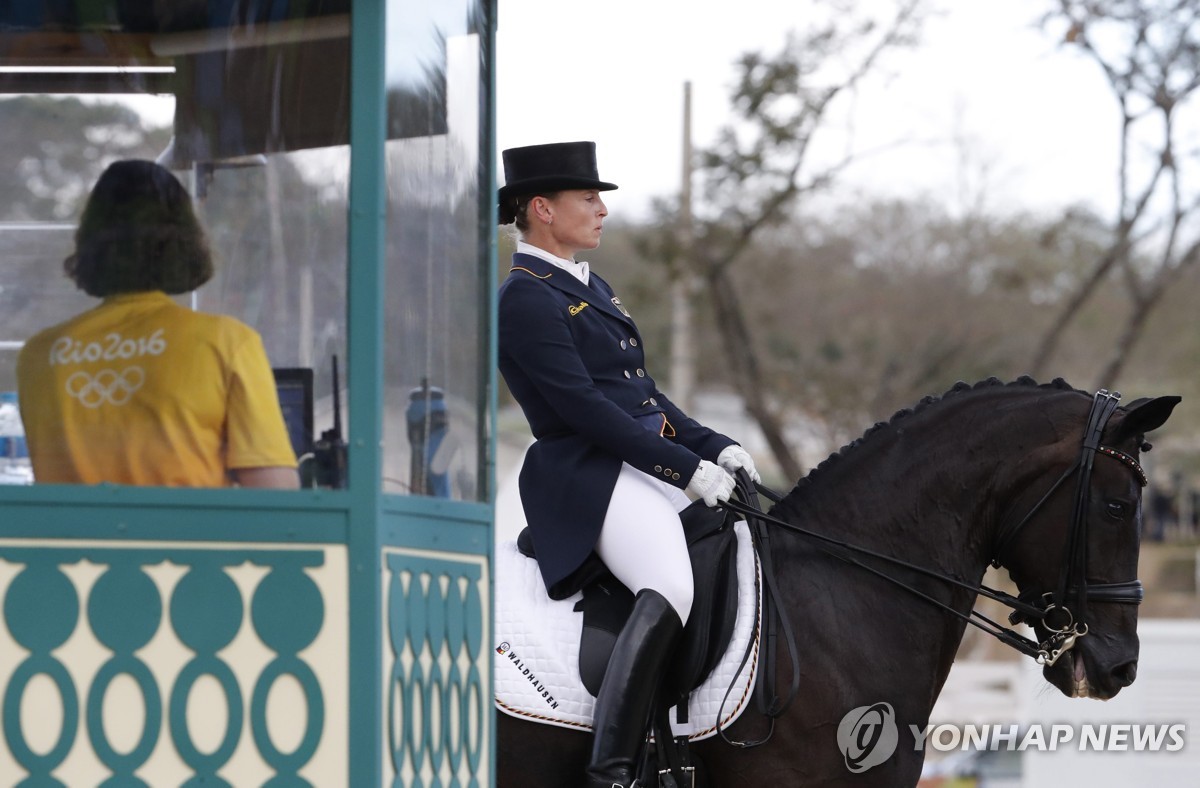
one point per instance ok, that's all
(139, 232)
(517, 209)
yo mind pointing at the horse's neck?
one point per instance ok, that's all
(923, 495)
(920, 494)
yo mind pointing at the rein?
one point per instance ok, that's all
(1073, 588)
(1004, 634)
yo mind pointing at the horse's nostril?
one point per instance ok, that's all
(1125, 674)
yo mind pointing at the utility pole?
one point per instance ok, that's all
(682, 286)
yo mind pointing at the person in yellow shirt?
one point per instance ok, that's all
(140, 390)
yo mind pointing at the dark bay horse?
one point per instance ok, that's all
(958, 482)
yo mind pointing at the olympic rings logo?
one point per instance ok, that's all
(106, 386)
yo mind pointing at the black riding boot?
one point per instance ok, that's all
(632, 676)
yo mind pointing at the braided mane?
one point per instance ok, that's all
(1058, 384)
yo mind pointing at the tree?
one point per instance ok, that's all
(58, 147)
(762, 166)
(866, 308)
(1149, 52)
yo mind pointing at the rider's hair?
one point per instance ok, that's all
(521, 208)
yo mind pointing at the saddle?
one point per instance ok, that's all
(606, 604)
(713, 548)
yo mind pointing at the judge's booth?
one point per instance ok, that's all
(339, 154)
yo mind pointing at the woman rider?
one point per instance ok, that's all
(604, 481)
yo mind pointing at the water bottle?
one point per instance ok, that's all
(14, 453)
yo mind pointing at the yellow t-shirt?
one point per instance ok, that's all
(143, 391)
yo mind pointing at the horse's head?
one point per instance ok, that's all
(1074, 554)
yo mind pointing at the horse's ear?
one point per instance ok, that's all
(1144, 415)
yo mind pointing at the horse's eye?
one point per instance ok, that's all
(1117, 510)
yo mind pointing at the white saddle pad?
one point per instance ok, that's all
(536, 670)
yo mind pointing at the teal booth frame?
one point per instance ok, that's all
(369, 612)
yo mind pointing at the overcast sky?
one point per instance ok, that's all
(1037, 124)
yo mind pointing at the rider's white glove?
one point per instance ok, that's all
(711, 482)
(734, 457)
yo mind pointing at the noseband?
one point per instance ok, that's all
(1073, 592)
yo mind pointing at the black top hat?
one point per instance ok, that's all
(546, 168)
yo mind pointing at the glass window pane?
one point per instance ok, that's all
(438, 233)
(250, 112)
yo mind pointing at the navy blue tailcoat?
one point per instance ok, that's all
(573, 359)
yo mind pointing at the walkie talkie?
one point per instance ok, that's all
(329, 453)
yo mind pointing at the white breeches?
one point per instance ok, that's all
(642, 541)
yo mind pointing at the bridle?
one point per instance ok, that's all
(1073, 591)
(1063, 611)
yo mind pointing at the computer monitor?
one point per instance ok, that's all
(294, 386)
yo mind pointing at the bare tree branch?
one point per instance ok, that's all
(1152, 78)
(755, 185)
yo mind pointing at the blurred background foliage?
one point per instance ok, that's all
(868, 309)
(816, 303)
(811, 302)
